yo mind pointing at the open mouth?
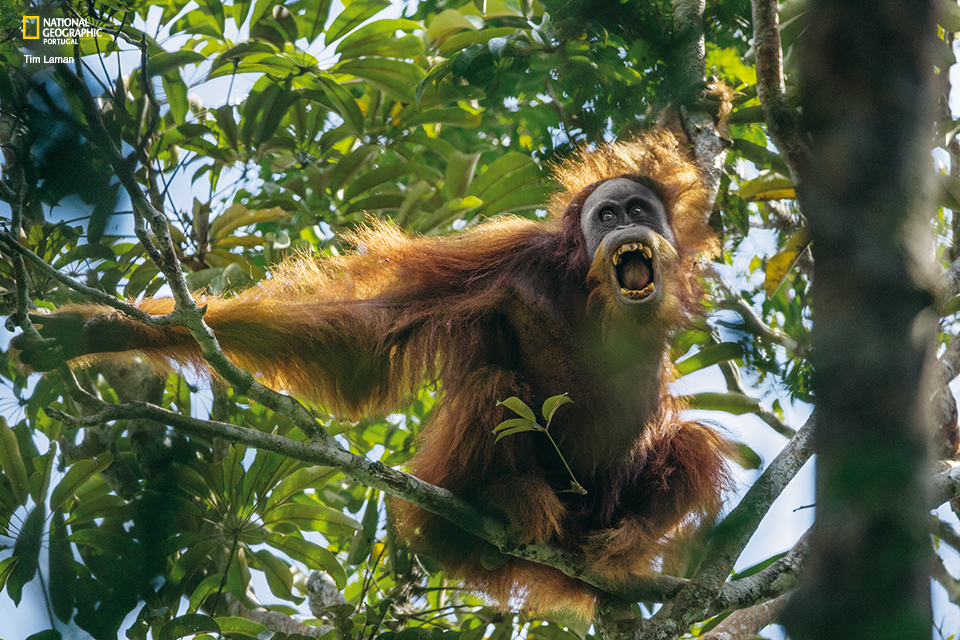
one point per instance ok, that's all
(633, 263)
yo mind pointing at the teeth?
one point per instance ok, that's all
(631, 246)
(637, 295)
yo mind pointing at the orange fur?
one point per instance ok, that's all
(510, 308)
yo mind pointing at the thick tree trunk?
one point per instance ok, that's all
(867, 77)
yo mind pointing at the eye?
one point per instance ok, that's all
(607, 216)
(638, 212)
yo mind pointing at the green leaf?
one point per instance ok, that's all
(225, 120)
(358, 12)
(377, 39)
(294, 483)
(452, 116)
(310, 554)
(263, 112)
(40, 482)
(310, 517)
(238, 577)
(190, 560)
(266, 471)
(27, 550)
(189, 625)
(363, 540)
(12, 462)
(7, 565)
(464, 39)
(336, 98)
(709, 356)
(278, 574)
(349, 165)
(63, 577)
(207, 587)
(191, 481)
(388, 173)
(519, 407)
(731, 402)
(760, 156)
(948, 16)
(529, 197)
(747, 458)
(167, 61)
(497, 172)
(450, 21)
(459, 175)
(551, 404)
(396, 78)
(376, 203)
(105, 541)
(85, 252)
(312, 15)
(213, 9)
(514, 423)
(510, 432)
(176, 92)
(76, 476)
(242, 626)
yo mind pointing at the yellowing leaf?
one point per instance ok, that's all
(768, 185)
(779, 266)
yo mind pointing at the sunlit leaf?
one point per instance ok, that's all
(731, 402)
(294, 483)
(780, 265)
(708, 356)
(310, 517)
(519, 407)
(551, 404)
(354, 14)
(377, 38)
(310, 554)
(767, 186)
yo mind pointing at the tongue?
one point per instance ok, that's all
(634, 274)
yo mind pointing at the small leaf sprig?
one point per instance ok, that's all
(528, 422)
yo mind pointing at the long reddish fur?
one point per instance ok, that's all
(360, 332)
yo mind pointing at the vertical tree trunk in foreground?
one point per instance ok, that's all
(867, 74)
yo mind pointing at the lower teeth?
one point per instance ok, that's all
(643, 293)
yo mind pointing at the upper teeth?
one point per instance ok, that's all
(631, 246)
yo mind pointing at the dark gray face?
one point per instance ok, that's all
(620, 204)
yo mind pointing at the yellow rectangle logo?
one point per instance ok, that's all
(31, 27)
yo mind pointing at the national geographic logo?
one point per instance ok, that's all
(31, 27)
(58, 31)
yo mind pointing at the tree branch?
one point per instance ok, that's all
(774, 581)
(781, 123)
(745, 624)
(379, 476)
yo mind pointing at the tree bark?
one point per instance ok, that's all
(867, 80)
